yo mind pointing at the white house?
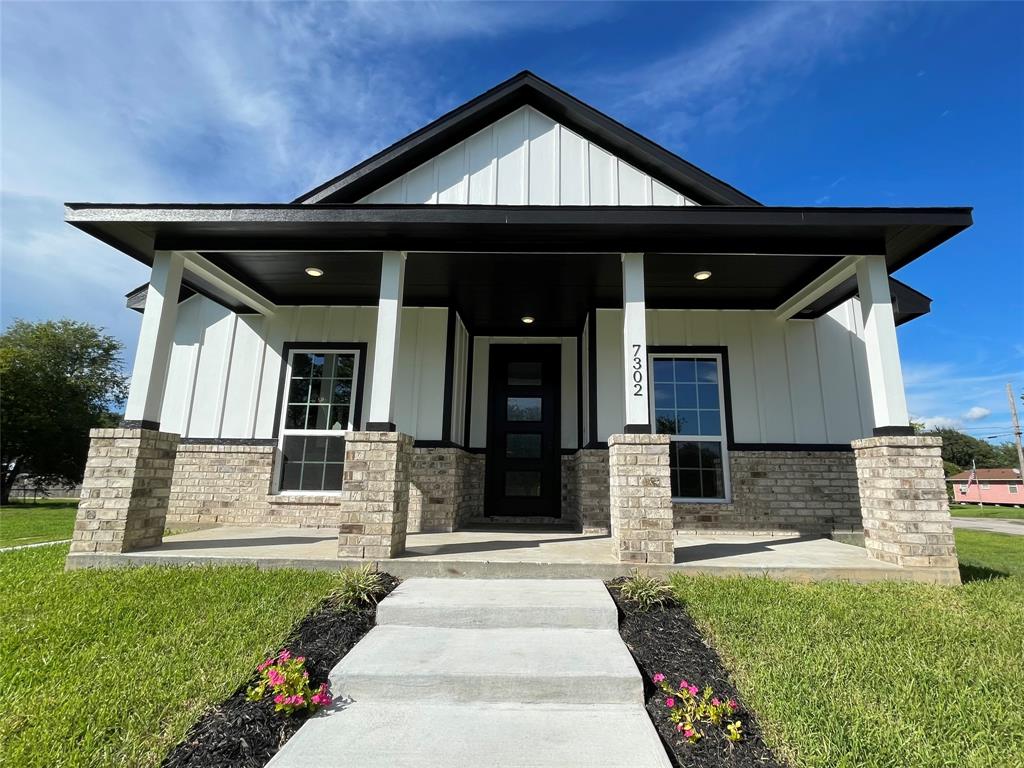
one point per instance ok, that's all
(522, 313)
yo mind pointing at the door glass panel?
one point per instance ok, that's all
(522, 483)
(524, 373)
(523, 409)
(524, 446)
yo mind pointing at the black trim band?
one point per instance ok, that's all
(893, 432)
(468, 408)
(140, 424)
(380, 426)
(592, 370)
(449, 377)
(818, 447)
(228, 441)
(637, 429)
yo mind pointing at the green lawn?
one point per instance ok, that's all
(32, 523)
(885, 675)
(109, 668)
(973, 510)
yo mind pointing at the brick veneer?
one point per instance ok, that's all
(225, 484)
(903, 501)
(640, 498)
(375, 498)
(781, 491)
(127, 483)
(445, 488)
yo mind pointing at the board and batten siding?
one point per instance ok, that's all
(526, 158)
(225, 369)
(799, 381)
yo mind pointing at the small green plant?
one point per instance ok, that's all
(285, 677)
(694, 710)
(645, 591)
(358, 588)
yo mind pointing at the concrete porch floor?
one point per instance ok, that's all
(512, 554)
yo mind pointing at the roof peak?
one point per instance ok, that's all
(525, 88)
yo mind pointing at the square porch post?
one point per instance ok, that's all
(127, 481)
(639, 488)
(377, 460)
(900, 477)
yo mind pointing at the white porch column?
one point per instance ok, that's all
(385, 351)
(885, 374)
(634, 338)
(149, 375)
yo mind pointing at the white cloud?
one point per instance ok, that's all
(938, 422)
(975, 413)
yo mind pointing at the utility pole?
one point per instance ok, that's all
(1016, 429)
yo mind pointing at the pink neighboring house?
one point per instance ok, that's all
(992, 486)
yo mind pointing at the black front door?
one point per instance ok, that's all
(523, 456)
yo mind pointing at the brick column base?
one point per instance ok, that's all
(127, 483)
(903, 501)
(375, 495)
(640, 497)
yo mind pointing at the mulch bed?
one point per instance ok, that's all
(244, 734)
(666, 640)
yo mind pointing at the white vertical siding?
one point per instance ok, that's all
(526, 158)
(798, 381)
(225, 370)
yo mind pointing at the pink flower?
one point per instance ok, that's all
(670, 702)
(715, 702)
(683, 685)
(688, 733)
(732, 704)
(659, 677)
(274, 676)
(301, 659)
(679, 726)
(279, 699)
(693, 689)
(284, 655)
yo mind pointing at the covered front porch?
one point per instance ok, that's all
(528, 554)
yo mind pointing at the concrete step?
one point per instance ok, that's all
(402, 664)
(406, 734)
(500, 603)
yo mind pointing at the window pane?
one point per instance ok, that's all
(686, 423)
(523, 446)
(317, 418)
(523, 409)
(665, 422)
(320, 391)
(686, 395)
(339, 418)
(342, 394)
(687, 484)
(345, 366)
(663, 370)
(316, 364)
(524, 373)
(336, 449)
(312, 477)
(522, 483)
(298, 391)
(295, 417)
(697, 471)
(711, 485)
(301, 365)
(685, 455)
(315, 449)
(664, 395)
(710, 424)
(333, 476)
(707, 371)
(291, 449)
(686, 370)
(290, 476)
(707, 395)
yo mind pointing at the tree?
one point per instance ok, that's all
(959, 450)
(58, 380)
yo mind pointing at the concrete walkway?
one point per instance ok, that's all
(991, 524)
(521, 673)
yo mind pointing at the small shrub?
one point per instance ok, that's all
(358, 588)
(645, 591)
(693, 711)
(285, 678)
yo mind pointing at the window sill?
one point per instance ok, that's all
(678, 500)
(306, 497)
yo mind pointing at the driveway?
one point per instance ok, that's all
(993, 524)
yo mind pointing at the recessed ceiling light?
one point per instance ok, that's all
(314, 272)
(702, 275)
(526, 319)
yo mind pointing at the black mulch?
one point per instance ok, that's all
(666, 640)
(243, 734)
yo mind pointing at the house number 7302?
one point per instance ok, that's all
(638, 372)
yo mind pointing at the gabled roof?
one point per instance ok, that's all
(525, 89)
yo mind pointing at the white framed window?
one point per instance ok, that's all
(689, 406)
(1012, 488)
(963, 488)
(317, 407)
(986, 486)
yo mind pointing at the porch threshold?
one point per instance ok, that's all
(520, 554)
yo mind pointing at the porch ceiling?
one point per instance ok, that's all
(497, 263)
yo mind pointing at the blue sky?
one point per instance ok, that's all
(795, 104)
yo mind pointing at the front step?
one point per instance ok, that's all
(405, 734)
(415, 664)
(500, 603)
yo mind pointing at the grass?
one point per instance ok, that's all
(973, 510)
(109, 668)
(880, 675)
(34, 523)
